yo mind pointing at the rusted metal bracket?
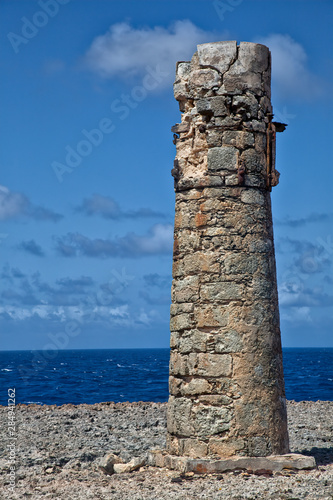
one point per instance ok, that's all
(269, 136)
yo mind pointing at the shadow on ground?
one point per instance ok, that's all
(323, 456)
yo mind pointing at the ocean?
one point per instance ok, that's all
(94, 376)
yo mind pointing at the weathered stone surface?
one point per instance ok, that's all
(253, 161)
(183, 70)
(222, 291)
(228, 341)
(237, 138)
(238, 80)
(223, 158)
(131, 466)
(254, 57)
(181, 308)
(253, 196)
(181, 91)
(228, 122)
(181, 322)
(178, 419)
(245, 74)
(208, 315)
(205, 78)
(180, 127)
(186, 289)
(195, 386)
(108, 462)
(191, 341)
(204, 106)
(182, 364)
(193, 448)
(214, 399)
(275, 463)
(238, 263)
(245, 105)
(219, 55)
(213, 138)
(210, 420)
(226, 378)
(212, 106)
(199, 262)
(213, 365)
(225, 448)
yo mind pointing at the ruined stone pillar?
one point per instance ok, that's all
(226, 378)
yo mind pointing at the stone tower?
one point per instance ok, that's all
(226, 378)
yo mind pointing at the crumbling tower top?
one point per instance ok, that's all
(224, 88)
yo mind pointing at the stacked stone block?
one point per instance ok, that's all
(226, 378)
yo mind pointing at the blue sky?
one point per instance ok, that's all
(86, 197)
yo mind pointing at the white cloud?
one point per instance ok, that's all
(290, 75)
(125, 51)
(147, 317)
(158, 240)
(66, 313)
(294, 294)
(297, 315)
(108, 208)
(14, 205)
(11, 204)
(22, 313)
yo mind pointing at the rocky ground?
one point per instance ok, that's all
(59, 452)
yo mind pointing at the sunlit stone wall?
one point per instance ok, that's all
(226, 378)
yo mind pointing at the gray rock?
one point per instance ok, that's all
(247, 104)
(179, 411)
(213, 365)
(222, 291)
(218, 105)
(253, 196)
(131, 466)
(222, 158)
(108, 462)
(253, 161)
(253, 57)
(205, 78)
(209, 420)
(269, 464)
(238, 138)
(212, 106)
(181, 91)
(183, 70)
(219, 55)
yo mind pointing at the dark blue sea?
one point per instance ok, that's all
(93, 376)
